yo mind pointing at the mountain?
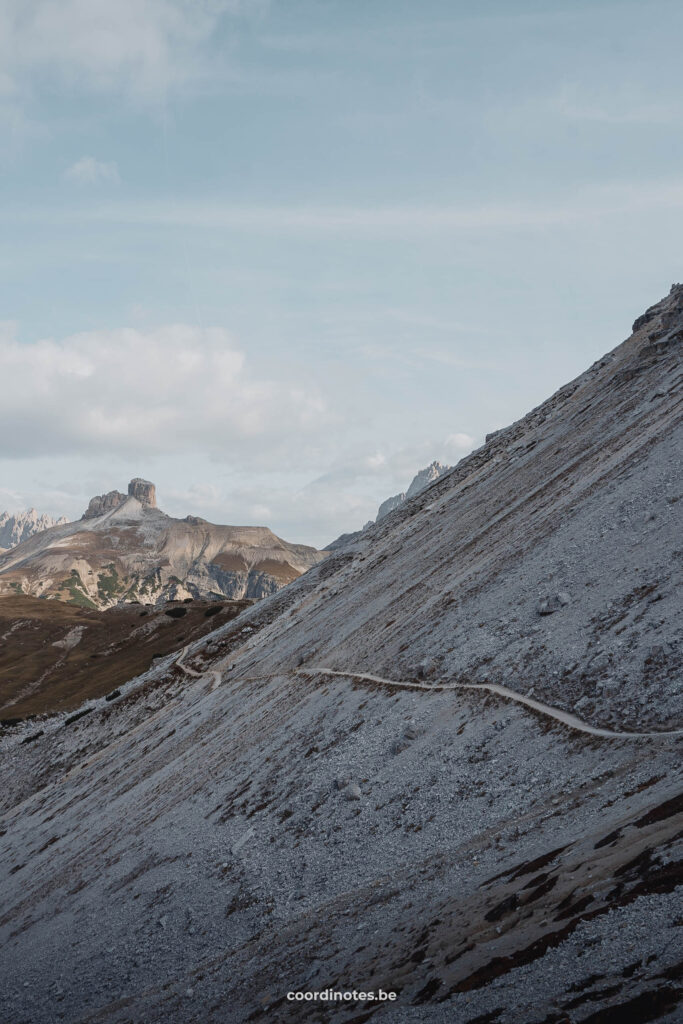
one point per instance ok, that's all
(19, 526)
(421, 480)
(444, 763)
(126, 549)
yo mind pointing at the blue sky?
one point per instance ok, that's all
(277, 256)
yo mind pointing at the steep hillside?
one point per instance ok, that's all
(126, 549)
(444, 763)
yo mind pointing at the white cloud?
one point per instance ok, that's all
(171, 390)
(89, 171)
(138, 47)
(456, 444)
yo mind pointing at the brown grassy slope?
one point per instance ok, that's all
(37, 677)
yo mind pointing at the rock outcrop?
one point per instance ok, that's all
(103, 503)
(426, 477)
(143, 491)
(421, 480)
(389, 504)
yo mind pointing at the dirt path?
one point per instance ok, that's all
(545, 709)
(185, 668)
(536, 705)
(193, 672)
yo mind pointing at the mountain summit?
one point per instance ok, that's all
(421, 480)
(126, 549)
(142, 490)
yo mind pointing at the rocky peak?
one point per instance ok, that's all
(102, 503)
(425, 477)
(422, 479)
(669, 310)
(144, 491)
(389, 504)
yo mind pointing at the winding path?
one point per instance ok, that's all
(179, 661)
(564, 717)
(545, 709)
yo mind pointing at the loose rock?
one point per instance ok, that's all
(553, 603)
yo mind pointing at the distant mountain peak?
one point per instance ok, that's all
(421, 480)
(142, 490)
(16, 527)
(123, 549)
(426, 476)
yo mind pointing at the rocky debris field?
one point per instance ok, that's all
(324, 794)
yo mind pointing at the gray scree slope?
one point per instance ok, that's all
(242, 823)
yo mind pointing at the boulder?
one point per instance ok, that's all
(552, 603)
(427, 668)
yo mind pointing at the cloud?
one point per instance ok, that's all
(89, 171)
(456, 444)
(138, 47)
(366, 480)
(348, 495)
(171, 390)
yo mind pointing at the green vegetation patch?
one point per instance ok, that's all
(109, 585)
(73, 585)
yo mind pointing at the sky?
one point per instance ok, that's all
(278, 255)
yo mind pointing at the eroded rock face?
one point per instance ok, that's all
(426, 477)
(144, 491)
(102, 503)
(390, 504)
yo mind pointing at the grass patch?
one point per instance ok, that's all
(73, 585)
(110, 652)
(109, 585)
